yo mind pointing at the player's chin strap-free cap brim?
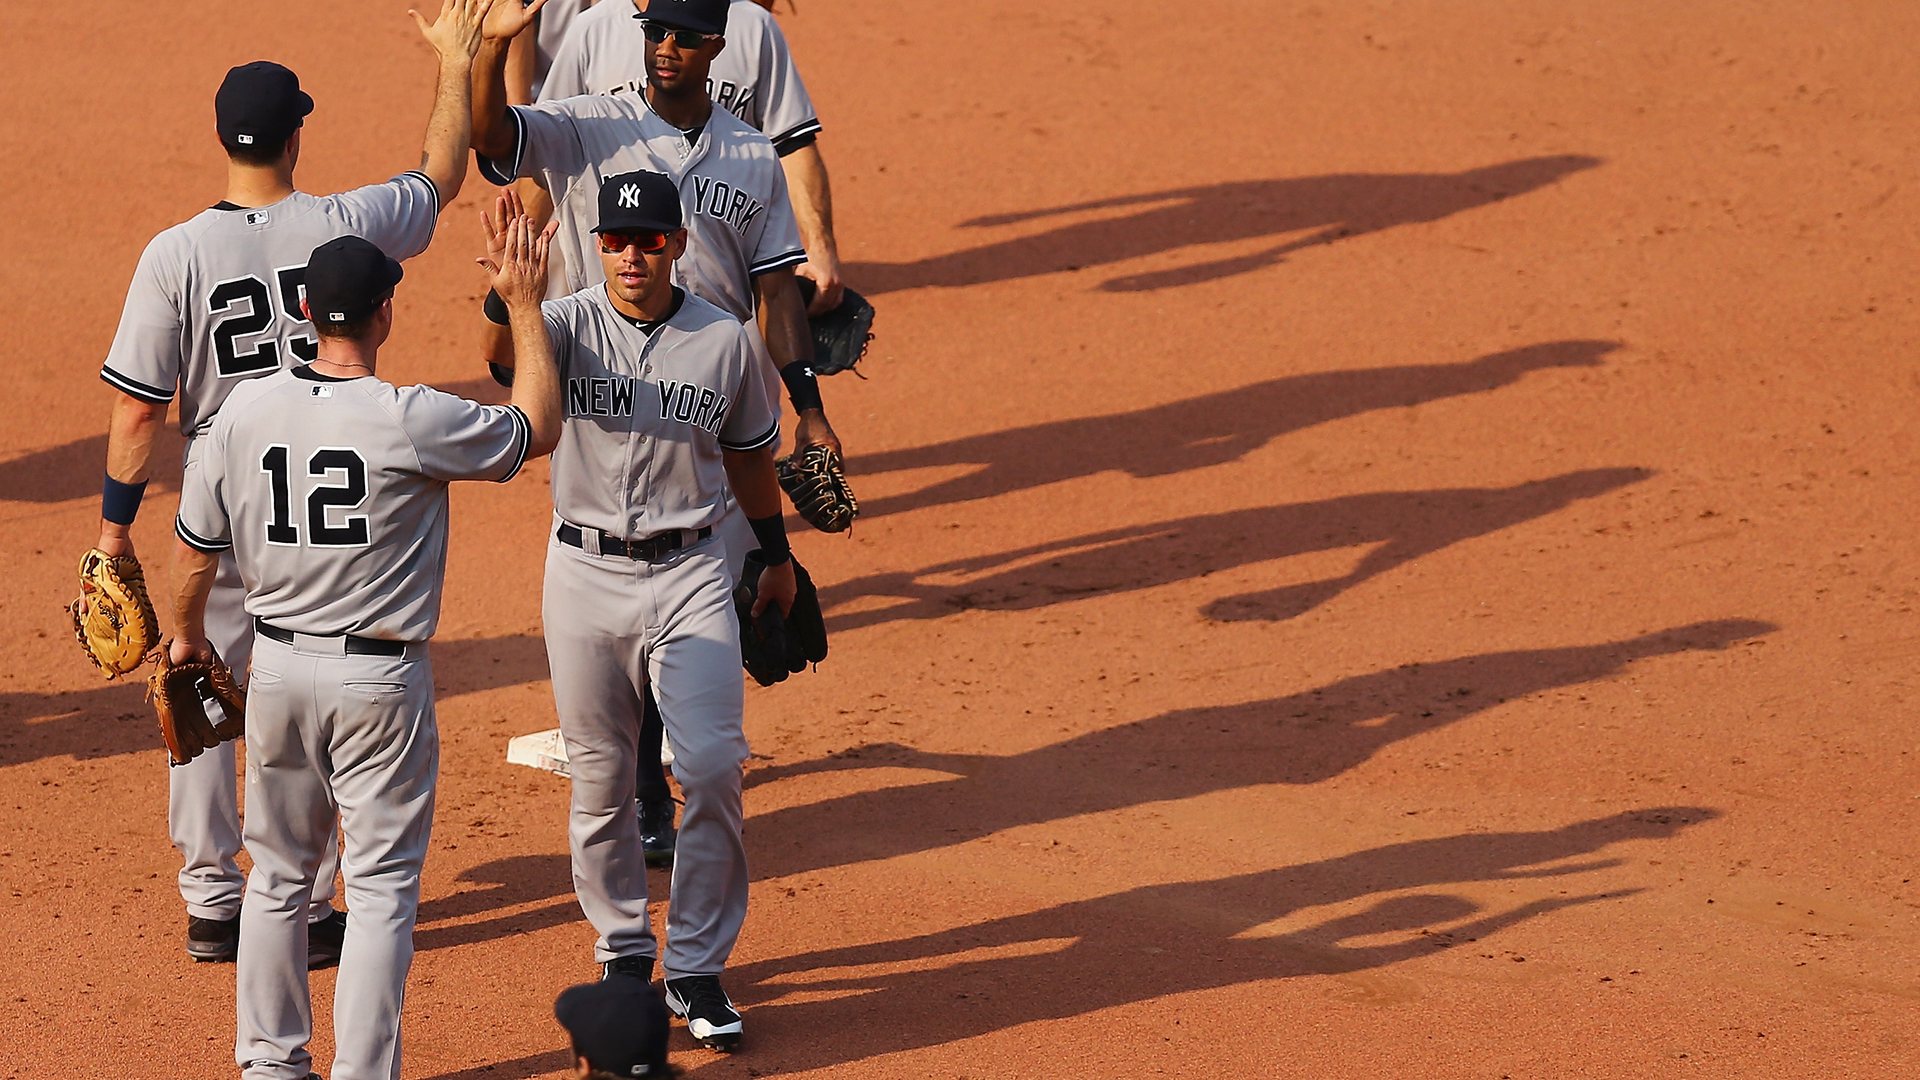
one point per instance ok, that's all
(702, 16)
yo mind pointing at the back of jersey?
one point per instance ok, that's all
(332, 494)
(216, 301)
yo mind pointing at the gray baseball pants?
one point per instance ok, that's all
(347, 738)
(615, 626)
(203, 806)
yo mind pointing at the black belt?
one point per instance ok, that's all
(648, 550)
(356, 646)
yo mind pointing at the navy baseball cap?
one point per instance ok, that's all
(259, 104)
(705, 16)
(639, 202)
(619, 1025)
(347, 279)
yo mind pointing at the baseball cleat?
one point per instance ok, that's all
(637, 967)
(657, 834)
(213, 941)
(710, 1015)
(325, 940)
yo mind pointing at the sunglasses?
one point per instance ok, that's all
(685, 39)
(649, 243)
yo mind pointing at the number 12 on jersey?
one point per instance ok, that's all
(346, 494)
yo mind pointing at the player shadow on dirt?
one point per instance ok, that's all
(1401, 526)
(1199, 432)
(1326, 208)
(514, 881)
(1161, 940)
(1303, 738)
(102, 721)
(72, 471)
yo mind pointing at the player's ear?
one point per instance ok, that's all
(678, 245)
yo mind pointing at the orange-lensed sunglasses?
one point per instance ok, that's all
(649, 243)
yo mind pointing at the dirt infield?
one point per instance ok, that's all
(1383, 553)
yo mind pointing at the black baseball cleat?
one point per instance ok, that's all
(325, 939)
(711, 1018)
(657, 834)
(637, 967)
(213, 941)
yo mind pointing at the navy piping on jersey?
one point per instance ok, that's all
(799, 136)
(765, 439)
(197, 542)
(305, 371)
(490, 168)
(679, 298)
(134, 388)
(525, 429)
(778, 262)
(431, 186)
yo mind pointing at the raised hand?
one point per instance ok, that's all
(456, 32)
(519, 275)
(505, 209)
(508, 18)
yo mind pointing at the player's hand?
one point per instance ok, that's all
(494, 225)
(185, 647)
(814, 430)
(115, 544)
(455, 34)
(520, 273)
(778, 585)
(507, 18)
(824, 272)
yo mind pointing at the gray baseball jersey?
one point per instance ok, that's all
(650, 407)
(333, 495)
(732, 189)
(557, 19)
(216, 301)
(754, 76)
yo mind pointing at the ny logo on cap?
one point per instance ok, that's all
(630, 196)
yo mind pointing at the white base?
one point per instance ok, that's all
(546, 750)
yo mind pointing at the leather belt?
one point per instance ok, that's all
(650, 549)
(348, 643)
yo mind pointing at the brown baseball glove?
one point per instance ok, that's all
(813, 480)
(180, 693)
(113, 617)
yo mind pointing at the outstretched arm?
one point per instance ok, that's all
(130, 434)
(812, 196)
(455, 36)
(517, 271)
(783, 322)
(492, 132)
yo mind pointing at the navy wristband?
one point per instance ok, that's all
(771, 531)
(495, 309)
(803, 386)
(120, 503)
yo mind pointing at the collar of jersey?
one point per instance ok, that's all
(679, 297)
(305, 371)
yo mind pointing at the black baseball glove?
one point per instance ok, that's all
(775, 646)
(840, 336)
(818, 487)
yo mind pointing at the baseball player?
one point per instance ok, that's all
(753, 77)
(329, 488)
(742, 240)
(214, 303)
(666, 411)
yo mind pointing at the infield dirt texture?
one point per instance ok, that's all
(1388, 552)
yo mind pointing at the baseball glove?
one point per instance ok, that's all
(813, 480)
(180, 693)
(113, 616)
(840, 336)
(775, 646)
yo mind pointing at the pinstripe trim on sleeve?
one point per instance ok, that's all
(152, 395)
(196, 541)
(491, 169)
(523, 434)
(431, 186)
(765, 439)
(779, 262)
(783, 143)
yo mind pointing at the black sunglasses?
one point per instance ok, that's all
(685, 39)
